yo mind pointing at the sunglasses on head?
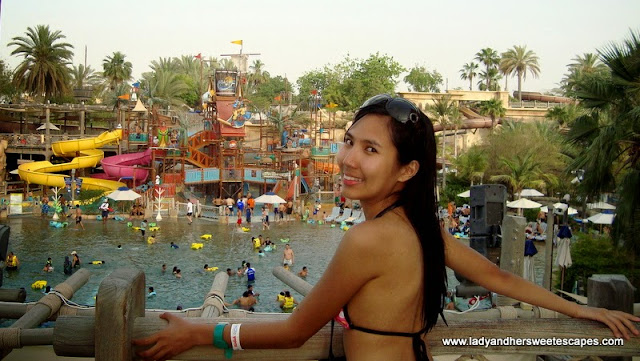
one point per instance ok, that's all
(400, 109)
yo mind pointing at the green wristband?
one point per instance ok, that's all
(218, 339)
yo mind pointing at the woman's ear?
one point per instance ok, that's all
(408, 171)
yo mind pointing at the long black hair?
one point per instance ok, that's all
(416, 141)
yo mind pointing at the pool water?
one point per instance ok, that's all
(33, 241)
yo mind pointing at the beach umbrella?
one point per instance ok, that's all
(523, 203)
(563, 259)
(530, 250)
(123, 194)
(270, 198)
(601, 205)
(572, 211)
(601, 218)
(465, 194)
(47, 125)
(528, 192)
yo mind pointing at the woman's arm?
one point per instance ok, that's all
(350, 268)
(480, 270)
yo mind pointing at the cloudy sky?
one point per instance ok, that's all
(295, 36)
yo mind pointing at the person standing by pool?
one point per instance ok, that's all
(75, 262)
(104, 208)
(288, 256)
(79, 217)
(189, 211)
(240, 206)
(67, 269)
(265, 218)
(388, 162)
(143, 227)
(251, 273)
(12, 262)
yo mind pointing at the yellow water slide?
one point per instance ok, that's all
(85, 156)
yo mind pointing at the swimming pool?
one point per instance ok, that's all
(33, 240)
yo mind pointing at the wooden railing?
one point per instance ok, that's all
(197, 141)
(106, 331)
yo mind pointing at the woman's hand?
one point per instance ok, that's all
(169, 342)
(619, 322)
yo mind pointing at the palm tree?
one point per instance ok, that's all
(494, 109)
(471, 165)
(490, 59)
(564, 115)
(586, 65)
(258, 76)
(522, 171)
(227, 64)
(491, 78)
(609, 136)
(518, 61)
(44, 71)
(165, 88)
(468, 71)
(115, 69)
(84, 76)
(164, 64)
(442, 108)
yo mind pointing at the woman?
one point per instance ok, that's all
(388, 163)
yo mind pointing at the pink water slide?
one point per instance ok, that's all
(126, 166)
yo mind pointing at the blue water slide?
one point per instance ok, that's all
(305, 185)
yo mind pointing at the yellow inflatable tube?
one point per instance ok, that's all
(206, 236)
(37, 285)
(197, 245)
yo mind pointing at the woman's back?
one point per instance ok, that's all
(392, 299)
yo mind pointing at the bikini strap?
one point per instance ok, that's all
(393, 206)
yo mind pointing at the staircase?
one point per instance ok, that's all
(197, 141)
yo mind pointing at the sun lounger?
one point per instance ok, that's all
(354, 215)
(360, 219)
(346, 214)
(335, 213)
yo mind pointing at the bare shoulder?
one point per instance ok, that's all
(375, 235)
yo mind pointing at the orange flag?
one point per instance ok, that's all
(239, 42)
(124, 96)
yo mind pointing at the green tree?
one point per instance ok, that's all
(116, 69)
(8, 91)
(564, 115)
(522, 171)
(609, 135)
(258, 75)
(493, 109)
(82, 77)
(490, 59)
(587, 64)
(44, 71)
(164, 88)
(471, 165)
(422, 80)
(442, 109)
(468, 72)
(519, 61)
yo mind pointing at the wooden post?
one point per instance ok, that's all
(81, 120)
(47, 306)
(121, 298)
(512, 251)
(13, 294)
(548, 251)
(214, 302)
(613, 292)
(47, 131)
(290, 279)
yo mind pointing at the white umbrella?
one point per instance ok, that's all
(572, 211)
(465, 194)
(563, 260)
(123, 194)
(523, 203)
(47, 125)
(601, 218)
(271, 198)
(601, 205)
(528, 192)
